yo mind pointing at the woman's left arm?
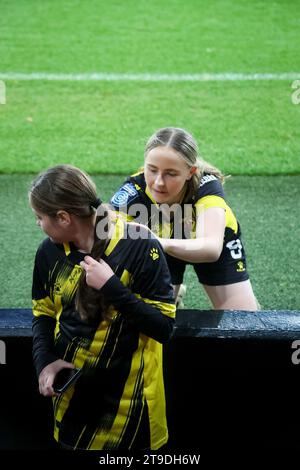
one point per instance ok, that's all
(208, 244)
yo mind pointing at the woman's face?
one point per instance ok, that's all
(166, 173)
(53, 227)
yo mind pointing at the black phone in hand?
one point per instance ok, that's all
(65, 378)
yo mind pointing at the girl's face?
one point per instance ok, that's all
(166, 173)
(54, 227)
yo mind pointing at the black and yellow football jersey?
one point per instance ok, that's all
(230, 268)
(121, 358)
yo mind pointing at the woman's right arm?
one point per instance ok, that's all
(46, 361)
(44, 315)
(208, 244)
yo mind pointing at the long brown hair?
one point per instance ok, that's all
(184, 144)
(89, 302)
(65, 187)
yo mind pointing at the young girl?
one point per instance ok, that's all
(103, 302)
(195, 224)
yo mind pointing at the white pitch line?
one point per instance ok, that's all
(149, 77)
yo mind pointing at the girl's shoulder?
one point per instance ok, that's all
(137, 231)
(45, 246)
(137, 243)
(50, 251)
(209, 185)
(132, 191)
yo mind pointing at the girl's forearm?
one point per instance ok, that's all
(199, 250)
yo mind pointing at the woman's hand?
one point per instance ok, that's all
(48, 374)
(97, 272)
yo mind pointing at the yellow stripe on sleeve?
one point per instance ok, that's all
(166, 309)
(43, 307)
(207, 202)
(210, 201)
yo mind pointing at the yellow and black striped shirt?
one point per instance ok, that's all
(122, 358)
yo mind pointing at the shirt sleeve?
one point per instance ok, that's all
(126, 195)
(210, 194)
(44, 320)
(149, 304)
(210, 185)
(130, 202)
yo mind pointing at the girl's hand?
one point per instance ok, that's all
(97, 272)
(47, 376)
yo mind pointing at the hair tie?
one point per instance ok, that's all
(96, 203)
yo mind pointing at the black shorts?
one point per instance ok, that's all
(229, 269)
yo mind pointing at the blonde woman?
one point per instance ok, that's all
(180, 197)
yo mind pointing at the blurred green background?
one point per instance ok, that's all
(250, 129)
